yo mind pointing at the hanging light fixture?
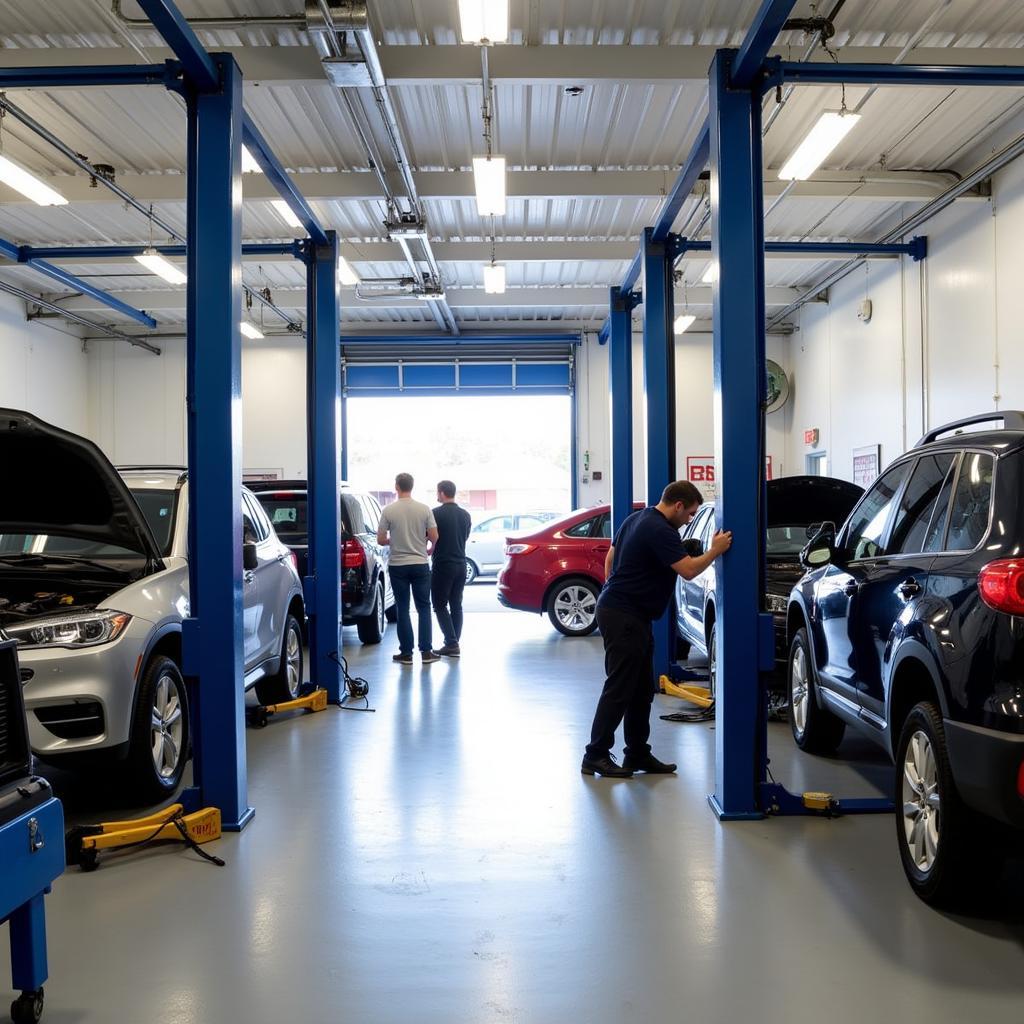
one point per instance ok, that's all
(683, 322)
(346, 274)
(829, 130)
(250, 330)
(711, 274)
(484, 21)
(156, 264)
(489, 183)
(29, 185)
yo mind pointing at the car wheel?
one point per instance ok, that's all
(286, 683)
(471, 571)
(814, 729)
(683, 648)
(371, 627)
(572, 607)
(934, 828)
(160, 731)
(712, 658)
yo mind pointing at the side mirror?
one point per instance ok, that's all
(250, 560)
(813, 530)
(821, 549)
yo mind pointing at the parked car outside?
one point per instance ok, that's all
(795, 505)
(367, 600)
(485, 547)
(94, 587)
(909, 628)
(559, 569)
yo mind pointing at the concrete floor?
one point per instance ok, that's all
(442, 861)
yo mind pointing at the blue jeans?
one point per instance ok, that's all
(414, 578)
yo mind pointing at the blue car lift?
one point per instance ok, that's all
(211, 85)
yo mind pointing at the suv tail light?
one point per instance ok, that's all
(294, 560)
(1001, 584)
(352, 555)
(519, 549)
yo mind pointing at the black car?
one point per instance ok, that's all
(909, 628)
(366, 596)
(795, 505)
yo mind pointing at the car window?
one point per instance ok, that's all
(262, 522)
(708, 529)
(287, 513)
(158, 507)
(940, 514)
(918, 503)
(866, 531)
(529, 522)
(581, 529)
(497, 525)
(972, 499)
(250, 535)
(354, 514)
(695, 527)
(604, 527)
(371, 517)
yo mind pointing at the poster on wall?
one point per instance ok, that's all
(866, 462)
(701, 471)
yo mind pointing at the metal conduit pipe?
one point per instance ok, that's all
(268, 21)
(970, 181)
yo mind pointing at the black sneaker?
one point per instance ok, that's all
(649, 764)
(428, 658)
(604, 766)
(402, 659)
(449, 651)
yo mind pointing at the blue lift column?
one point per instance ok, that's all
(212, 635)
(323, 415)
(745, 639)
(620, 381)
(660, 392)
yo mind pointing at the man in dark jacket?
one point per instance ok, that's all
(640, 569)
(449, 577)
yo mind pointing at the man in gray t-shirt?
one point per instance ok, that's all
(406, 526)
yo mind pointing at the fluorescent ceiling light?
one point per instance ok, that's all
(711, 274)
(831, 128)
(489, 181)
(484, 20)
(346, 275)
(250, 330)
(494, 278)
(249, 165)
(682, 322)
(286, 213)
(29, 185)
(156, 264)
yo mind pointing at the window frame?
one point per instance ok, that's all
(590, 523)
(960, 552)
(955, 468)
(894, 503)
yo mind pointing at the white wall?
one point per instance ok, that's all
(42, 367)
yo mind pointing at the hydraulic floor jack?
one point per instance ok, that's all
(260, 715)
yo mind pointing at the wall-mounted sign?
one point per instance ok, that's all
(811, 437)
(867, 461)
(701, 470)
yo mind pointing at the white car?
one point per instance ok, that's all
(485, 548)
(94, 587)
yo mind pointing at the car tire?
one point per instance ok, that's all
(160, 732)
(371, 627)
(935, 830)
(815, 730)
(471, 571)
(712, 642)
(683, 648)
(286, 683)
(572, 606)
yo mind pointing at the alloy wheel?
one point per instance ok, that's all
(293, 658)
(167, 727)
(922, 809)
(382, 622)
(800, 691)
(576, 608)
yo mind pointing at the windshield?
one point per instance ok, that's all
(288, 514)
(158, 510)
(786, 540)
(13, 545)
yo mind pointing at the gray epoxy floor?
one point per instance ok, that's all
(442, 861)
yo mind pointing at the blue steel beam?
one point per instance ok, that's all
(426, 340)
(745, 651)
(212, 635)
(620, 374)
(779, 72)
(114, 252)
(758, 41)
(166, 74)
(322, 585)
(574, 447)
(16, 253)
(660, 394)
(911, 248)
(199, 67)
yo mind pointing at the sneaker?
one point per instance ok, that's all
(402, 659)
(449, 651)
(428, 657)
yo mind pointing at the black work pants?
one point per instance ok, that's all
(629, 687)
(446, 587)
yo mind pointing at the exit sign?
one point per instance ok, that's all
(811, 437)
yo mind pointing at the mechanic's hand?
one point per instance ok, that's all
(721, 542)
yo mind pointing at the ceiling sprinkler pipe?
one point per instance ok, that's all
(270, 21)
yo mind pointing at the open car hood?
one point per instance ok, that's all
(60, 484)
(802, 500)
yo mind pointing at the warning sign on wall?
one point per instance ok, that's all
(702, 472)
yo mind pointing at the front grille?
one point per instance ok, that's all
(14, 752)
(76, 721)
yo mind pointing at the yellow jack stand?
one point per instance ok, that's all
(699, 695)
(260, 715)
(83, 842)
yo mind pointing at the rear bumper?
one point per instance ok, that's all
(508, 600)
(985, 766)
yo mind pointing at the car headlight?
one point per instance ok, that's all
(81, 629)
(774, 603)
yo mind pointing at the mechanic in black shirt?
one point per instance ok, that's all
(640, 573)
(448, 580)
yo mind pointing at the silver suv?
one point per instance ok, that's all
(94, 586)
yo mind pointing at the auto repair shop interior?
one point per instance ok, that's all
(259, 256)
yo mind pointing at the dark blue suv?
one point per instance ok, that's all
(909, 627)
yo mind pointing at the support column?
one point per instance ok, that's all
(620, 380)
(745, 641)
(212, 636)
(660, 389)
(323, 412)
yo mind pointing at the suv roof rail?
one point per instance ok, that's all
(153, 465)
(1013, 419)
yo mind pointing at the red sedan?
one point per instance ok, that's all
(560, 570)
